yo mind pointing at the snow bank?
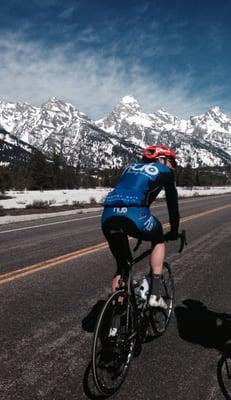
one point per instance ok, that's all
(202, 191)
(20, 199)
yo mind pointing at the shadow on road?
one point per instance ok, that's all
(89, 322)
(197, 324)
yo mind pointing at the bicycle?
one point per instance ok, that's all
(125, 322)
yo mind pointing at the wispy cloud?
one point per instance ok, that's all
(28, 72)
(67, 13)
(88, 36)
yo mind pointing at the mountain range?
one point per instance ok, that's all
(59, 127)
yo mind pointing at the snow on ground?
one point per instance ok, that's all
(21, 199)
(80, 197)
(202, 191)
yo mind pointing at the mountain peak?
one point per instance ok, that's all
(129, 100)
(215, 110)
(51, 102)
(217, 114)
(53, 99)
(163, 112)
(128, 104)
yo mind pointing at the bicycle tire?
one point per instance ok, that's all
(160, 318)
(224, 371)
(111, 355)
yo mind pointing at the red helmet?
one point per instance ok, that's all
(152, 152)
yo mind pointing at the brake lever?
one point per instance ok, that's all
(183, 240)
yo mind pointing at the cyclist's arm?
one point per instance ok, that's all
(172, 204)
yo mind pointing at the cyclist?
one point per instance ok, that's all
(126, 212)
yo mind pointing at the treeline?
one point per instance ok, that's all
(207, 176)
(40, 174)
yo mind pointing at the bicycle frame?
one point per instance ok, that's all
(128, 281)
(127, 275)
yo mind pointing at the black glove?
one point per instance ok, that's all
(172, 235)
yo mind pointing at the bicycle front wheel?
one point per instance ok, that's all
(159, 318)
(114, 342)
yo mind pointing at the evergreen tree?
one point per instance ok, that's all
(40, 174)
(57, 172)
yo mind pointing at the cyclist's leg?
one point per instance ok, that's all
(151, 229)
(157, 258)
(158, 253)
(114, 229)
(156, 262)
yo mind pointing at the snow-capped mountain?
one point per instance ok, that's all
(128, 121)
(42, 127)
(215, 127)
(60, 127)
(202, 140)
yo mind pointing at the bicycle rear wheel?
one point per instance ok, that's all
(159, 318)
(224, 371)
(114, 342)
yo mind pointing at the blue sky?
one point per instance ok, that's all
(171, 54)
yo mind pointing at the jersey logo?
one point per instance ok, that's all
(120, 210)
(148, 225)
(147, 169)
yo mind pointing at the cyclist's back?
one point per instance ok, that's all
(137, 188)
(139, 185)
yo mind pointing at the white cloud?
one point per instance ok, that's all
(93, 83)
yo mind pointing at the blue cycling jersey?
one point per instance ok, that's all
(140, 184)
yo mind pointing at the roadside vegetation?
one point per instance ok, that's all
(40, 174)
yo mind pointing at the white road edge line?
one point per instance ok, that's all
(90, 217)
(49, 224)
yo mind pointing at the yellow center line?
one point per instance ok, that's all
(18, 273)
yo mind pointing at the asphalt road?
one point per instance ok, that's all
(46, 320)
